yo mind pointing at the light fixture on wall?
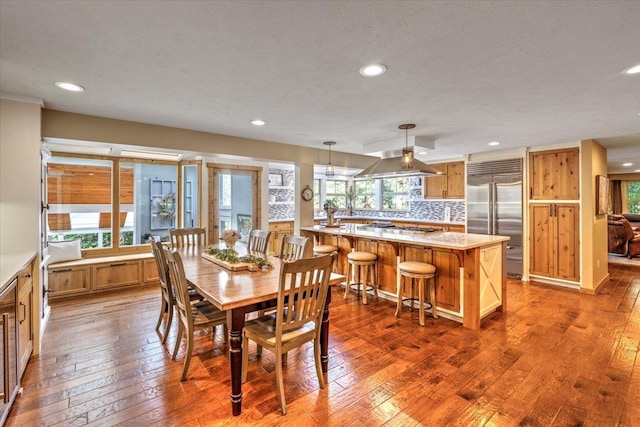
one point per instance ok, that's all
(407, 154)
(329, 172)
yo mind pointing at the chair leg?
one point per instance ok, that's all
(316, 355)
(259, 350)
(178, 339)
(280, 383)
(168, 324)
(225, 329)
(348, 281)
(245, 358)
(163, 308)
(434, 311)
(374, 275)
(421, 285)
(187, 356)
(398, 293)
(364, 283)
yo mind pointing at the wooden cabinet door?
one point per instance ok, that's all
(448, 280)
(555, 175)
(68, 281)
(555, 240)
(25, 317)
(387, 267)
(436, 186)
(150, 269)
(455, 180)
(567, 241)
(116, 274)
(541, 237)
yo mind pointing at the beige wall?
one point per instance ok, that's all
(58, 124)
(19, 176)
(594, 227)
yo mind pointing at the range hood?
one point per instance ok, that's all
(390, 166)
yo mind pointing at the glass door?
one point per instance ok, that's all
(233, 200)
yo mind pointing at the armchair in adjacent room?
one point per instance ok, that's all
(622, 237)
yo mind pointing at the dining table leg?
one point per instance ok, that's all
(324, 335)
(235, 323)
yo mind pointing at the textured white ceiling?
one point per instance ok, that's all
(525, 73)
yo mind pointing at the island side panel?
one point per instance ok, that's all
(471, 316)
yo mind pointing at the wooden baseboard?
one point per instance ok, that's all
(596, 288)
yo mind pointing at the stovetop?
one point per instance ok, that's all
(409, 229)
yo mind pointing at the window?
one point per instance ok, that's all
(81, 199)
(316, 195)
(79, 193)
(365, 194)
(395, 193)
(148, 204)
(225, 191)
(337, 193)
(633, 197)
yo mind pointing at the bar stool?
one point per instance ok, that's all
(421, 271)
(359, 263)
(320, 250)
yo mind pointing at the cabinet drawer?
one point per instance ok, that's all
(106, 276)
(68, 281)
(280, 226)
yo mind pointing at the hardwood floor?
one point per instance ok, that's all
(557, 358)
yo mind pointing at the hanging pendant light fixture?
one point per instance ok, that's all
(329, 171)
(407, 154)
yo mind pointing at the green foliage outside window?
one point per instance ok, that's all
(337, 193)
(395, 193)
(633, 196)
(365, 194)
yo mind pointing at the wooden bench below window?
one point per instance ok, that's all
(89, 275)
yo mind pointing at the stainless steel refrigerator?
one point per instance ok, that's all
(494, 205)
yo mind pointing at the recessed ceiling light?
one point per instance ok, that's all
(494, 143)
(373, 70)
(258, 122)
(637, 170)
(422, 153)
(69, 86)
(627, 164)
(632, 70)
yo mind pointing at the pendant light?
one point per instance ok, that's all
(407, 154)
(329, 171)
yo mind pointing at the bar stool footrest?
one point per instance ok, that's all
(413, 304)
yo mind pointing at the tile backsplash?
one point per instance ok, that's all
(282, 204)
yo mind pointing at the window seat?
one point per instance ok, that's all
(99, 274)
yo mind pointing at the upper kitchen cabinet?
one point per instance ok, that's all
(450, 185)
(554, 175)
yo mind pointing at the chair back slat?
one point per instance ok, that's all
(180, 286)
(304, 284)
(183, 237)
(293, 248)
(258, 242)
(163, 269)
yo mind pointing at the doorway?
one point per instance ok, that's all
(234, 200)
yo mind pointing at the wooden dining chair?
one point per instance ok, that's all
(293, 247)
(200, 315)
(181, 237)
(258, 242)
(298, 317)
(168, 299)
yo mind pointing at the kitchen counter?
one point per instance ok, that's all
(12, 264)
(471, 273)
(386, 219)
(459, 241)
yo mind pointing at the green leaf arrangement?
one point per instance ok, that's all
(231, 256)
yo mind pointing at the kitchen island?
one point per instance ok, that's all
(471, 273)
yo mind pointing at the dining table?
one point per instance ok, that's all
(241, 292)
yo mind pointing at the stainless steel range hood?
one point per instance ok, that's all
(390, 166)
